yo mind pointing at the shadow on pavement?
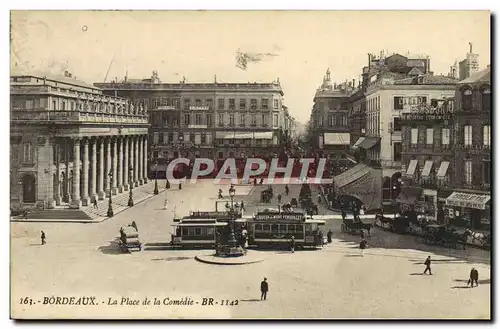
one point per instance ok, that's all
(113, 248)
(420, 273)
(460, 287)
(170, 259)
(35, 244)
(485, 281)
(353, 255)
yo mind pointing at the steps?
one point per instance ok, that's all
(63, 214)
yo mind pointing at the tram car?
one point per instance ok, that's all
(269, 229)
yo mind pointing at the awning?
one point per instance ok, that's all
(356, 145)
(350, 175)
(411, 168)
(369, 142)
(409, 194)
(337, 139)
(427, 169)
(443, 168)
(262, 135)
(468, 200)
(232, 135)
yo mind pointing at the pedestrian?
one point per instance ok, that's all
(474, 277)
(287, 190)
(292, 244)
(220, 194)
(134, 225)
(25, 214)
(94, 203)
(180, 186)
(42, 237)
(344, 215)
(279, 198)
(167, 185)
(319, 197)
(264, 288)
(242, 206)
(428, 265)
(165, 204)
(329, 236)
(362, 246)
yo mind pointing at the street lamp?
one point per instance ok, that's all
(130, 199)
(110, 205)
(232, 237)
(156, 178)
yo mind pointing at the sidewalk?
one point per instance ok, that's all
(119, 203)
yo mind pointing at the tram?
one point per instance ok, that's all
(269, 229)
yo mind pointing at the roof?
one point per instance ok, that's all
(483, 76)
(17, 72)
(427, 80)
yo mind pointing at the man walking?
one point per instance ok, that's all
(42, 237)
(474, 277)
(264, 288)
(292, 244)
(428, 265)
(95, 203)
(287, 190)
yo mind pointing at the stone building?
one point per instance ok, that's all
(70, 143)
(214, 120)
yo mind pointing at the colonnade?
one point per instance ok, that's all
(106, 164)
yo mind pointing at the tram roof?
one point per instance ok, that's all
(199, 224)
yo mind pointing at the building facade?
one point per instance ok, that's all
(470, 203)
(213, 120)
(70, 143)
(330, 119)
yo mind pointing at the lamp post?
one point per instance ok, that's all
(156, 178)
(232, 237)
(110, 205)
(130, 199)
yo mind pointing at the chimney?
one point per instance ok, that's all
(353, 83)
(428, 68)
(369, 60)
(470, 47)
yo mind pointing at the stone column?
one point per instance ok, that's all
(100, 186)
(136, 160)
(93, 193)
(139, 166)
(76, 202)
(108, 166)
(145, 160)
(66, 188)
(126, 161)
(57, 194)
(85, 187)
(114, 165)
(119, 145)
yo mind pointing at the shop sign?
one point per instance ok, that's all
(277, 217)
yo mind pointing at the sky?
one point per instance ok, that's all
(201, 44)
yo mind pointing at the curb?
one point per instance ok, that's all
(202, 259)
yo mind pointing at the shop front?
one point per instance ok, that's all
(469, 210)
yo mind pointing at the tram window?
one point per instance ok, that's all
(298, 228)
(314, 227)
(197, 231)
(210, 231)
(185, 231)
(258, 227)
(291, 228)
(191, 231)
(265, 227)
(274, 228)
(308, 227)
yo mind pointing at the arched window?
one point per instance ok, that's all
(466, 99)
(27, 153)
(486, 98)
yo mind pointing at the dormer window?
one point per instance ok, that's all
(467, 99)
(486, 99)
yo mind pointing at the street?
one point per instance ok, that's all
(82, 260)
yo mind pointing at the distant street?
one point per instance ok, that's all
(82, 260)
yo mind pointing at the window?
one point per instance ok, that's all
(276, 104)
(423, 100)
(156, 137)
(487, 172)
(486, 99)
(242, 119)
(253, 103)
(191, 138)
(221, 119)
(254, 119)
(468, 172)
(231, 119)
(397, 124)
(231, 103)
(197, 119)
(155, 154)
(264, 103)
(203, 138)
(467, 135)
(414, 136)
(187, 103)
(198, 102)
(434, 102)
(165, 154)
(54, 105)
(264, 119)
(397, 151)
(320, 121)
(27, 155)
(220, 103)
(209, 103)
(467, 99)
(275, 120)
(209, 120)
(243, 103)
(72, 106)
(486, 136)
(344, 120)
(445, 136)
(171, 137)
(165, 138)
(429, 136)
(331, 120)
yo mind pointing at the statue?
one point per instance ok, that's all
(132, 108)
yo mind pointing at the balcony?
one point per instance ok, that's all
(165, 108)
(77, 117)
(474, 149)
(199, 108)
(197, 126)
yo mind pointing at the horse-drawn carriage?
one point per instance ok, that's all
(349, 225)
(443, 236)
(267, 195)
(309, 206)
(129, 239)
(398, 224)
